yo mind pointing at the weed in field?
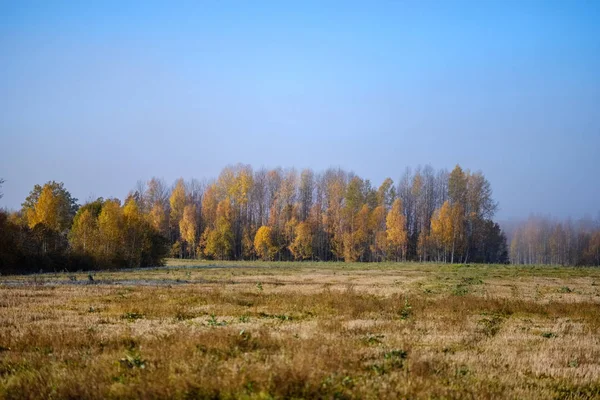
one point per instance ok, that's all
(212, 321)
(373, 339)
(548, 335)
(244, 318)
(281, 317)
(491, 326)
(183, 315)
(406, 310)
(471, 281)
(565, 289)
(133, 359)
(132, 316)
(395, 355)
(574, 363)
(460, 290)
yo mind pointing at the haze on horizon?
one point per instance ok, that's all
(102, 95)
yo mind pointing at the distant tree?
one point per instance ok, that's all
(51, 205)
(135, 232)
(457, 186)
(447, 229)
(83, 236)
(263, 243)
(423, 244)
(302, 246)
(397, 234)
(156, 205)
(220, 239)
(593, 250)
(111, 231)
(306, 191)
(177, 201)
(248, 243)
(335, 187)
(386, 194)
(495, 249)
(356, 241)
(377, 227)
(188, 227)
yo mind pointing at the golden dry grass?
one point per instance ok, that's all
(302, 330)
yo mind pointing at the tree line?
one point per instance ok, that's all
(541, 240)
(268, 214)
(336, 215)
(52, 232)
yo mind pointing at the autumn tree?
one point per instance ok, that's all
(134, 232)
(356, 241)
(156, 203)
(220, 239)
(111, 236)
(177, 201)
(335, 187)
(302, 246)
(306, 191)
(447, 229)
(397, 235)
(51, 205)
(188, 228)
(110, 226)
(377, 227)
(457, 186)
(84, 235)
(386, 194)
(263, 243)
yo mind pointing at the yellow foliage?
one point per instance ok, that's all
(188, 226)
(397, 235)
(110, 224)
(378, 228)
(302, 246)
(83, 233)
(263, 243)
(177, 202)
(356, 241)
(46, 211)
(219, 240)
(447, 227)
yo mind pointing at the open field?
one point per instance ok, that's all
(302, 330)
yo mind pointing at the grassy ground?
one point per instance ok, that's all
(302, 330)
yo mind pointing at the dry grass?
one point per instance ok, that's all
(292, 330)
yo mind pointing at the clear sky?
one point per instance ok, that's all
(99, 94)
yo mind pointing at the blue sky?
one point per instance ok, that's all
(101, 94)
